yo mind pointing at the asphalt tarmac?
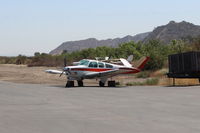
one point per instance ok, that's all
(29, 108)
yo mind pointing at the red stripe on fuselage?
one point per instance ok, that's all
(91, 69)
(128, 70)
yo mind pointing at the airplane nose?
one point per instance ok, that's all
(66, 69)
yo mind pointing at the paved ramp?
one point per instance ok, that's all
(26, 108)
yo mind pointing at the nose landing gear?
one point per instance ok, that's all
(70, 84)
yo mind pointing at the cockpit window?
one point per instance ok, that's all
(109, 66)
(93, 64)
(84, 62)
(101, 65)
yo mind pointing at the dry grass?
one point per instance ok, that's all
(149, 81)
(37, 75)
(24, 74)
(159, 73)
(165, 81)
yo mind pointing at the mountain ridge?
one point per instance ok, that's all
(174, 30)
(164, 33)
(71, 46)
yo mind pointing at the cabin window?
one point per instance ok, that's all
(84, 62)
(101, 65)
(109, 66)
(93, 64)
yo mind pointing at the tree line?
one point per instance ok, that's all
(155, 49)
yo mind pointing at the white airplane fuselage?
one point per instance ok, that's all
(81, 72)
(94, 69)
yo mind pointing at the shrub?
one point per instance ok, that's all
(153, 81)
(143, 74)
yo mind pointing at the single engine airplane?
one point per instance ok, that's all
(99, 69)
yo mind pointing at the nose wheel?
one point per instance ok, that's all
(70, 84)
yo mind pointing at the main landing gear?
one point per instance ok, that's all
(71, 83)
(80, 83)
(110, 84)
(101, 84)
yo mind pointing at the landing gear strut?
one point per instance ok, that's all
(111, 83)
(80, 83)
(70, 84)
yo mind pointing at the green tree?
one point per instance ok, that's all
(157, 53)
(37, 54)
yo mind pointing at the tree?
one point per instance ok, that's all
(157, 53)
(37, 54)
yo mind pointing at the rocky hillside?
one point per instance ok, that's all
(93, 42)
(174, 30)
(164, 33)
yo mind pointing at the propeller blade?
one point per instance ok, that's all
(61, 73)
(65, 64)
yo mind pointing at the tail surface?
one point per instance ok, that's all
(130, 58)
(141, 63)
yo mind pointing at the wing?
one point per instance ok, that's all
(102, 74)
(54, 71)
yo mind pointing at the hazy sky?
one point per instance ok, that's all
(27, 26)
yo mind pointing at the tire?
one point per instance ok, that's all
(70, 84)
(80, 83)
(101, 84)
(111, 84)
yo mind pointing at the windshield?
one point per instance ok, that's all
(84, 62)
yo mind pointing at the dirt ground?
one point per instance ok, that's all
(37, 75)
(24, 74)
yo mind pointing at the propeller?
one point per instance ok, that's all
(61, 73)
(65, 64)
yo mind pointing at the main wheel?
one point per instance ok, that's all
(111, 84)
(70, 84)
(101, 84)
(80, 83)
